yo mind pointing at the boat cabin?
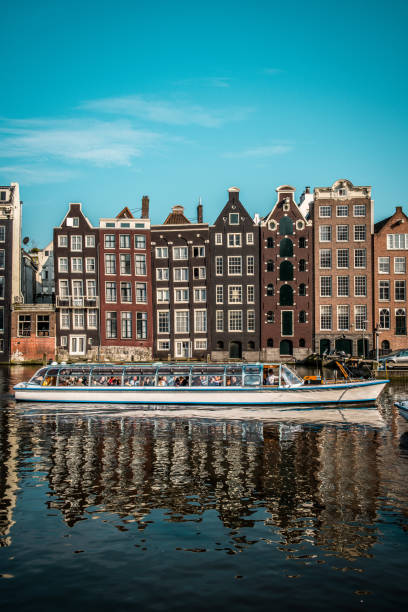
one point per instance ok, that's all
(167, 375)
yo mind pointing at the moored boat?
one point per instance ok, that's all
(251, 384)
(402, 406)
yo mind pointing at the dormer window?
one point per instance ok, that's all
(342, 191)
(234, 219)
(3, 196)
(75, 221)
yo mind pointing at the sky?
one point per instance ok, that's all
(105, 101)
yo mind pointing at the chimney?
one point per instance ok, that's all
(145, 207)
(233, 194)
(200, 212)
(307, 189)
(398, 209)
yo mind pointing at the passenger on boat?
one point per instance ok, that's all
(162, 382)
(270, 379)
(215, 381)
(232, 381)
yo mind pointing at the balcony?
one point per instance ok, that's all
(84, 301)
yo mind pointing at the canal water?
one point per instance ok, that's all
(115, 509)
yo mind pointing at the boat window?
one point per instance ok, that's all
(252, 380)
(69, 377)
(233, 376)
(131, 377)
(139, 376)
(289, 378)
(271, 375)
(208, 375)
(253, 369)
(38, 377)
(50, 379)
(177, 376)
(102, 377)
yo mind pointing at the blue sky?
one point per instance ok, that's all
(103, 102)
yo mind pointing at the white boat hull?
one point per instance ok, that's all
(350, 393)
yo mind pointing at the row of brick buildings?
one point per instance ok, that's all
(307, 277)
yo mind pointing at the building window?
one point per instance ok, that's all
(24, 325)
(110, 291)
(162, 252)
(2, 259)
(286, 271)
(302, 289)
(285, 226)
(325, 233)
(384, 265)
(76, 243)
(234, 240)
(62, 264)
(124, 241)
(250, 265)
(397, 241)
(198, 251)
(270, 266)
(163, 345)
(400, 322)
(325, 286)
(91, 288)
(235, 320)
(140, 265)
(200, 344)
(325, 317)
(235, 294)
(250, 294)
(360, 315)
(76, 264)
(90, 264)
(182, 321)
(43, 325)
(110, 263)
(141, 325)
(140, 241)
(269, 343)
(302, 316)
(360, 286)
(286, 248)
(141, 293)
(65, 318)
(251, 321)
(234, 218)
(162, 295)
(218, 238)
(343, 317)
(324, 211)
(325, 258)
(359, 232)
(302, 242)
(219, 265)
(219, 294)
(270, 289)
(302, 265)
(180, 274)
(400, 290)
(270, 316)
(180, 253)
(399, 265)
(200, 294)
(200, 321)
(92, 318)
(90, 241)
(126, 324)
(64, 341)
(359, 210)
(250, 238)
(162, 274)
(342, 233)
(63, 288)
(270, 243)
(384, 290)
(78, 318)
(124, 262)
(63, 241)
(75, 221)
(125, 292)
(111, 325)
(342, 258)
(342, 210)
(219, 320)
(181, 295)
(384, 318)
(2, 286)
(199, 273)
(342, 286)
(110, 241)
(163, 322)
(234, 265)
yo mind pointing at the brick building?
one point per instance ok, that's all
(234, 288)
(33, 333)
(287, 294)
(343, 226)
(10, 262)
(390, 281)
(76, 244)
(126, 288)
(180, 260)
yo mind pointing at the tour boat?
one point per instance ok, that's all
(249, 384)
(402, 406)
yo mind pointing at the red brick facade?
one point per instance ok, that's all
(33, 333)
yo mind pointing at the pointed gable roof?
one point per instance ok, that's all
(234, 205)
(392, 221)
(125, 214)
(176, 217)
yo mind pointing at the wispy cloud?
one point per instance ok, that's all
(100, 143)
(213, 81)
(273, 71)
(263, 151)
(31, 175)
(164, 111)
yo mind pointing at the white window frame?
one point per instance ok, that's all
(200, 327)
(233, 222)
(90, 265)
(180, 249)
(251, 317)
(404, 265)
(384, 261)
(250, 238)
(219, 294)
(168, 321)
(250, 294)
(200, 294)
(186, 319)
(231, 290)
(63, 264)
(163, 345)
(76, 241)
(162, 252)
(63, 241)
(182, 272)
(90, 241)
(218, 238)
(160, 292)
(239, 319)
(184, 299)
(219, 260)
(219, 320)
(200, 344)
(250, 263)
(234, 240)
(164, 273)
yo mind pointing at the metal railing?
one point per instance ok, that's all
(70, 301)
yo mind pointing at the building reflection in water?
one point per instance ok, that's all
(316, 484)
